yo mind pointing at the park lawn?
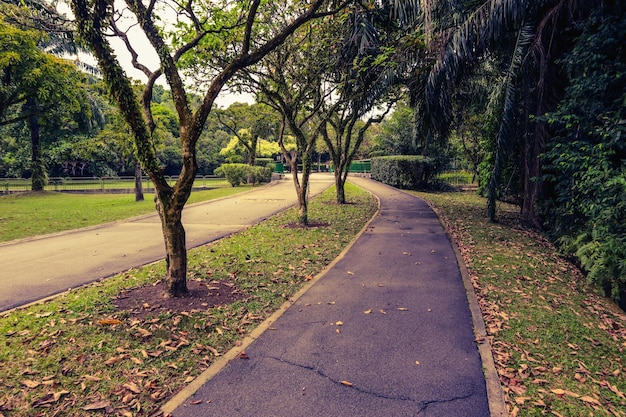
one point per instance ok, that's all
(78, 355)
(30, 214)
(560, 348)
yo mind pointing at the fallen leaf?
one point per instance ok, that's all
(50, 398)
(339, 323)
(590, 400)
(350, 273)
(109, 322)
(30, 383)
(144, 332)
(243, 355)
(403, 309)
(219, 331)
(92, 378)
(99, 405)
(347, 383)
(381, 311)
(367, 311)
(133, 387)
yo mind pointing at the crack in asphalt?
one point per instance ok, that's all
(424, 404)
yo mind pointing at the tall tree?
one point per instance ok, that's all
(215, 38)
(526, 37)
(32, 84)
(290, 81)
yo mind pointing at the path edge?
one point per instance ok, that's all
(190, 389)
(495, 395)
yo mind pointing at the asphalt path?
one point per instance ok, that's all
(36, 268)
(385, 331)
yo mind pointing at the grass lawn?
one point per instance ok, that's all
(31, 214)
(560, 349)
(558, 346)
(78, 355)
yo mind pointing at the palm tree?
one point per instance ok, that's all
(526, 36)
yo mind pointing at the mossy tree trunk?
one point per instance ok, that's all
(93, 20)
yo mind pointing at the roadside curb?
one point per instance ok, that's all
(495, 395)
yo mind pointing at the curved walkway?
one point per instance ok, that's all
(384, 331)
(35, 268)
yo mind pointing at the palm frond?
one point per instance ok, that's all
(491, 21)
(507, 124)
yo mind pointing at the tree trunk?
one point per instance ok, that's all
(175, 248)
(38, 170)
(340, 186)
(138, 182)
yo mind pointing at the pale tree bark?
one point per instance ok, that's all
(138, 182)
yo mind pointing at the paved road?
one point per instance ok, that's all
(386, 331)
(33, 269)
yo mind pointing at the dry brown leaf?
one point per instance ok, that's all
(367, 311)
(50, 398)
(92, 378)
(219, 331)
(590, 400)
(347, 383)
(99, 405)
(339, 323)
(30, 383)
(144, 332)
(133, 387)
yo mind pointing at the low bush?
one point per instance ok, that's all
(410, 172)
(237, 174)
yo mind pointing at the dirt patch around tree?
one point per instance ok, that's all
(149, 300)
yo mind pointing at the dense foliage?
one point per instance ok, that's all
(585, 164)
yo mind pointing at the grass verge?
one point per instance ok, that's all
(560, 348)
(31, 214)
(77, 354)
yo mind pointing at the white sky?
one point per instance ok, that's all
(149, 58)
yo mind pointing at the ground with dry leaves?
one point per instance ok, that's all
(118, 348)
(559, 348)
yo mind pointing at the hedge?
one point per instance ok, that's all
(411, 172)
(237, 174)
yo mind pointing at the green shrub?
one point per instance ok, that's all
(411, 172)
(257, 175)
(236, 174)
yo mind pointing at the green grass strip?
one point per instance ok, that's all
(560, 348)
